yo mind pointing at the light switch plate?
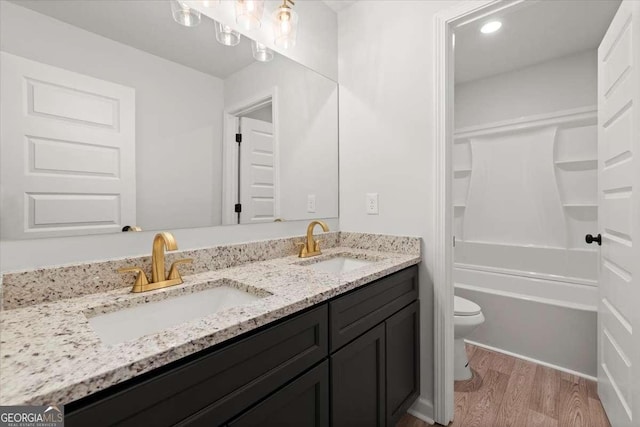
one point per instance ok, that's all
(372, 203)
(311, 203)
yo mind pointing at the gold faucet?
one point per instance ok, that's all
(312, 247)
(158, 278)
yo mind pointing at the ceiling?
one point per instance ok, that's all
(148, 26)
(338, 5)
(535, 32)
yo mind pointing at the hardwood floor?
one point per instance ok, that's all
(510, 392)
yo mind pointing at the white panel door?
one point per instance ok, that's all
(257, 172)
(67, 149)
(619, 217)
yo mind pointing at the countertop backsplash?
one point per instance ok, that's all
(25, 288)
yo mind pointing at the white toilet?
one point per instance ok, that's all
(467, 317)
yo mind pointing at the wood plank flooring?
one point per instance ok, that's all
(510, 392)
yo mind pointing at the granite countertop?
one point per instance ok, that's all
(49, 353)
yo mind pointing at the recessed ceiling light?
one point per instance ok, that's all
(491, 27)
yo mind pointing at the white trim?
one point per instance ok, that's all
(546, 301)
(420, 408)
(444, 22)
(230, 155)
(229, 169)
(443, 405)
(275, 107)
(586, 115)
(531, 274)
(530, 359)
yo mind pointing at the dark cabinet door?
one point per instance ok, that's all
(403, 364)
(358, 381)
(214, 387)
(303, 403)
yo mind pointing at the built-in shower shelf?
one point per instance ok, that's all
(459, 206)
(580, 205)
(582, 163)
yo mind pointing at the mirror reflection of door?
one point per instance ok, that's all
(256, 200)
(68, 151)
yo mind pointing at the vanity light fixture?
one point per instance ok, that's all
(184, 15)
(285, 25)
(491, 27)
(226, 35)
(249, 13)
(261, 52)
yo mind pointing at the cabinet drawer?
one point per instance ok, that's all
(219, 385)
(354, 314)
(303, 403)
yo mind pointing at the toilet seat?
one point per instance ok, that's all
(464, 307)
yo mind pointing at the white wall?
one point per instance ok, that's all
(386, 134)
(560, 84)
(317, 39)
(307, 131)
(178, 114)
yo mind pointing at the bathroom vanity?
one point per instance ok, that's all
(328, 340)
(357, 354)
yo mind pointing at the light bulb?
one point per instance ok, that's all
(249, 13)
(285, 25)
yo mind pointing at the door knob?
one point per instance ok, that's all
(590, 239)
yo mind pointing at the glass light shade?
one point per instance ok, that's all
(249, 13)
(184, 15)
(261, 52)
(285, 27)
(226, 35)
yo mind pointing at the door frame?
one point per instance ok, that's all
(230, 153)
(445, 23)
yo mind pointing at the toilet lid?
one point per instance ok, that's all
(464, 307)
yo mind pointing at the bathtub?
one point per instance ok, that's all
(537, 305)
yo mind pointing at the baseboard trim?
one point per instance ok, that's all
(423, 410)
(531, 359)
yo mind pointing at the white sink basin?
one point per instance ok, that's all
(152, 317)
(339, 264)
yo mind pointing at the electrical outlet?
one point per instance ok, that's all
(372, 203)
(311, 203)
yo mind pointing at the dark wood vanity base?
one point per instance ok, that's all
(352, 361)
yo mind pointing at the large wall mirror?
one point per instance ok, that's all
(115, 116)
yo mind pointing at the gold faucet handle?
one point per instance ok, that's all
(141, 278)
(302, 248)
(316, 246)
(173, 271)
